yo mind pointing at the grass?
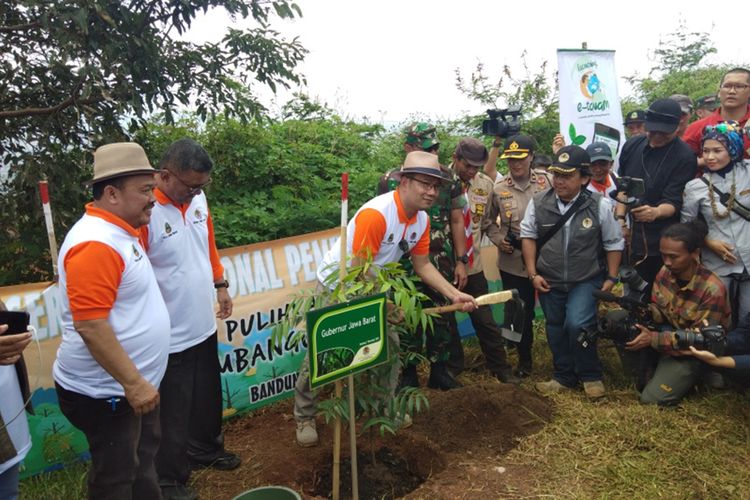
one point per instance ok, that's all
(615, 448)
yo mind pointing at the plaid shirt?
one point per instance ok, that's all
(703, 298)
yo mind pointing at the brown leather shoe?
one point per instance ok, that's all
(594, 389)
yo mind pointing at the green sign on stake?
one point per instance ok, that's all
(346, 338)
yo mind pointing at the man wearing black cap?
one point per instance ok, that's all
(513, 193)
(734, 92)
(571, 247)
(469, 157)
(666, 164)
(635, 123)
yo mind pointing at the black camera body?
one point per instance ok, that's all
(619, 324)
(634, 189)
(708, 338)
(502, 122)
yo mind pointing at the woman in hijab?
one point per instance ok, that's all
(721, 196)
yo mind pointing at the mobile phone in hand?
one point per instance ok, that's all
(17, 321)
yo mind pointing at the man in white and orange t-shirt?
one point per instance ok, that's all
(180, 244)
(386, 228)
(602, 178)
(115, 340)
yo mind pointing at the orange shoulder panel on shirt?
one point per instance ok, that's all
(213, 252)
(423, 245)
(369, 230)
(93, 273)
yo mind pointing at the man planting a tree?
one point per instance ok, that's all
(386, 228)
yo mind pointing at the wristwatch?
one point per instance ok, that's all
(223, 284)
(464, 258)
(613, 279)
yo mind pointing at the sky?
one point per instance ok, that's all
(391, 60)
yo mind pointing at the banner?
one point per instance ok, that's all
(589, 102)
(254, 373)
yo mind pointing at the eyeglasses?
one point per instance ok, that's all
(737, 87)
(428, 186)
(191, 189)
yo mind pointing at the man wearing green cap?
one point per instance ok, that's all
(572, 246)
(447, 253)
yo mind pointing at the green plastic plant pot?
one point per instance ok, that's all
(269, 493)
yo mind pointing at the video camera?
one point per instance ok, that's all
(503, 122)
(633, 188)
(619, 324)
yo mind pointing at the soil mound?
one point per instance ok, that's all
(453, 446)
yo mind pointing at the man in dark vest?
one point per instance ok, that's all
(571, 246)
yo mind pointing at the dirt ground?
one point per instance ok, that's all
(455, 450)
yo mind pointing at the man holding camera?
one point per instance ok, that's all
(513, 193)
(685, 295)
(572, 247)
(665, 164)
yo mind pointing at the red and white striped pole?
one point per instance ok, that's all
(44, 193)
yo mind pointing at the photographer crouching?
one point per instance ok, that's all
(685, 295)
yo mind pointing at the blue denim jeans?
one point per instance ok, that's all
(9, 482)
(566, 313)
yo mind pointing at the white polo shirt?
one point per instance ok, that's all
(105, 274)
(180, 244)
(377, 229)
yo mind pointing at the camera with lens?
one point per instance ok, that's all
(502, 122)
(708, 338)
(632, 187)
(513, 240)
(619, 325)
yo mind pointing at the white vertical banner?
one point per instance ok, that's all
(589, 102)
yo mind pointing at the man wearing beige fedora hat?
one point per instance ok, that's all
(447, 249)
(115, 340)
(386, 228)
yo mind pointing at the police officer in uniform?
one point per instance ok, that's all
(448, 255)
(513, 192)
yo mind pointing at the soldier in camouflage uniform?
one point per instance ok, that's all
(513, 194)
(446, 227)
